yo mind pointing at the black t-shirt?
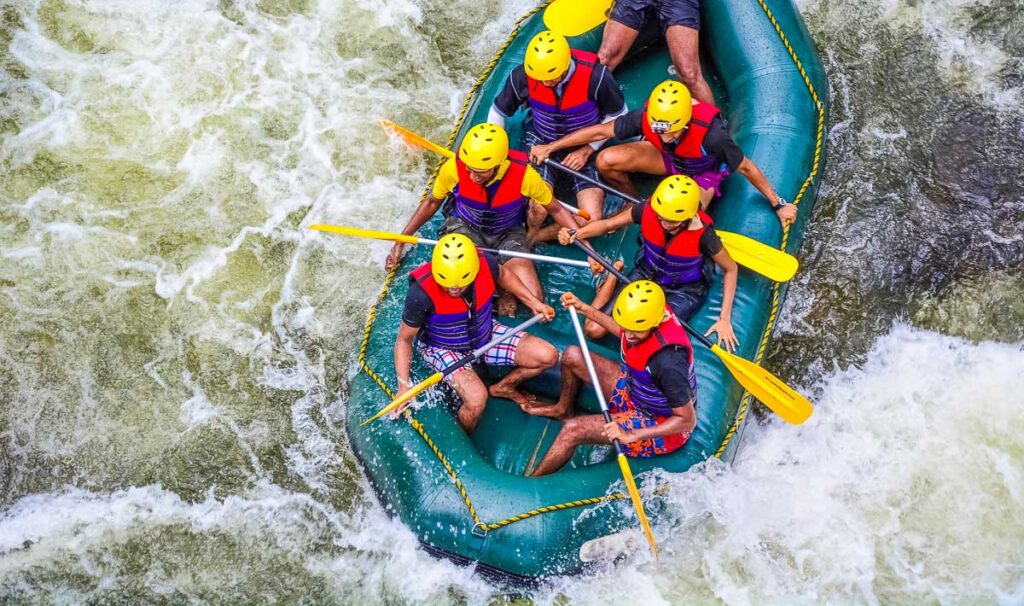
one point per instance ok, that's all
(670, 371)
(603, 89)
(710, 244)
(418, 306)
(716, 141)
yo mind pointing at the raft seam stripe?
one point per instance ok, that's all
(746, 398)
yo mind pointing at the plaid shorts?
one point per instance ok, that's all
(630, 417)
(502, 354)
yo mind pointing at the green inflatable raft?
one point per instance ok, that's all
(466, 497)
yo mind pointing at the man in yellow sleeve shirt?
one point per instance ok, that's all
(492, 188)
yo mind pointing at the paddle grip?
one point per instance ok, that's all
(621, 276)
(598, 183)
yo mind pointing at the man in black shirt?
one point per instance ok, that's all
(677, 241)
(448, 313)
(651, 394)
(678, 136)
(565, 90)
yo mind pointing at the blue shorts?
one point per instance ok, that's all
(558, 179)
(634, 14)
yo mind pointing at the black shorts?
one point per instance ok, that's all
(513, 239)
(562, 182)
(684, 300)
(635, 13)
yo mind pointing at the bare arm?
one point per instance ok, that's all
(591, 313)
(732, 271)
(560, 215)
(683, 420)
(605, 130)
(753, 174)
(403, 356)
(597, 228)
(423, 214)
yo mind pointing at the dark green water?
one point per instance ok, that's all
(174, 345)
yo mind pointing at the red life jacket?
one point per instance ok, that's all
(689, 156)
(453, 325)
(643, 392)
(494, 208)
(555, 117)
(676, 261)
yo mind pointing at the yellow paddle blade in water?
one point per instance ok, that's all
(773, 263)
(634, 495)
(575, 17)
(766, 387)
(413, 139)
(365, 233)
(402, 399)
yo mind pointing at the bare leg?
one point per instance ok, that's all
(616, 162)
(604, 294)
(615, 44)
(683, 44)
(587, 429)
(533, 356)
(534, 219)
(527, 273)
(574, 374)
(592, 201)
(474, 398)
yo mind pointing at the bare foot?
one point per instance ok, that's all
(506, 304)
(552, 410)
(510, 393)
(548, 233)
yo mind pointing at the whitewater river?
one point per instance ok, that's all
(174, 346)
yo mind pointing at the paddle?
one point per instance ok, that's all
(575, 17)
(437, 377)
(404, 239)
(766, 387)
(772, 263)
(416, 140)
(627, 473)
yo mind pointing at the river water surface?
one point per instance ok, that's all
(174, 345)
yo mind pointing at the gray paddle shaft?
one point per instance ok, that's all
(522, 255)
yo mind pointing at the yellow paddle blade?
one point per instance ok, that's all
(634, 494)
(575, 17)
(766, 387)
(365, 233)
(413, 139)
(772, 263)
(412, 393)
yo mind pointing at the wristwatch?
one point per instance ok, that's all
(779, 203)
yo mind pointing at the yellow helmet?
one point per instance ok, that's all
(640, 306)
(676, 198)
(455, 262)
(547, 56)
(669, 107)
(484, 147)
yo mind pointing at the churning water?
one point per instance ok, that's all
(174, 344)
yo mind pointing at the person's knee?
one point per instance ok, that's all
(689, 74)
(607, 161)
(547, 355)
(594, 330)
(572, 357)
(474, 395)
